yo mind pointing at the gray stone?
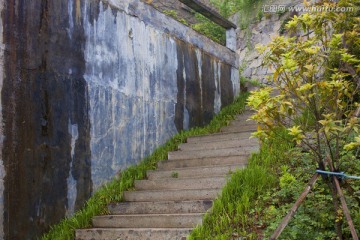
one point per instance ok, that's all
(201, 171)
(219, 136)
(247, 128)
(199, 154)
(203, 162)
(265, 39)
(262, 71)
(185, 220)
(171, 195)
(251, 55)
(256, 63)
(182, 183)
(277, 25)
(217, 145)
(247, 72)
(171, 207)
(231, 39)
(242, 54)
(130, 234)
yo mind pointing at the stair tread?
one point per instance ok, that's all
(172, 195)
(218, 136)
(203, 162)
(150, 215)
(200, 167)
(224, 152)
(159, 207)
(138, 229)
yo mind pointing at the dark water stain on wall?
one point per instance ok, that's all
(208, 87)
(43, 92)
(196, 86)
(227, 92)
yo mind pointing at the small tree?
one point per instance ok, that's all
(316, 81)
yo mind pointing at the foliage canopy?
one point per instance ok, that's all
(316, 76)
(314, 90)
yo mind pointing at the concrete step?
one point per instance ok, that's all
(219, 144)
(187, 220)
(239, 128)
(197, 206)
(182, 183)
(216, 137)
(225, 152)
(193, 172)
(243, 122)
(203, 162)
(243, 117)
(171, 195)
(131, 234)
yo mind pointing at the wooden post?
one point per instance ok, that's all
(345, 209)
(343, 202)
(293, 210)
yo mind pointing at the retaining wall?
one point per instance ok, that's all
(89, 88)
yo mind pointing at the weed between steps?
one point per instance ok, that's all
(112, 191)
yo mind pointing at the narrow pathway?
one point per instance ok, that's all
(174, 198)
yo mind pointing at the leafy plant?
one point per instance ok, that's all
(173, 14)
(210, 29)
(317, 80)
(315, 218)
(228, 7)
(174, 174)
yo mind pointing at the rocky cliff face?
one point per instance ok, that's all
(260, 31)
(89, 88)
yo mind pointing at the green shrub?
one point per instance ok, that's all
(210, 29)
(316, 82)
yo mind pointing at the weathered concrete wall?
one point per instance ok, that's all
(44, 92)
(2, 170)
(89, 88)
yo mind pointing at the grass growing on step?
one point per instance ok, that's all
(236, 210)
(112, 192)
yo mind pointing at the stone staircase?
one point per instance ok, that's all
(174, 198)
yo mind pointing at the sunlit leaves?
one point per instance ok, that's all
(353, 145)
(310, 76)
(349, 58)
(259, 97)
(297, 134)
(289, 64)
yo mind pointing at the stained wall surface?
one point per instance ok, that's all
(89, 88)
